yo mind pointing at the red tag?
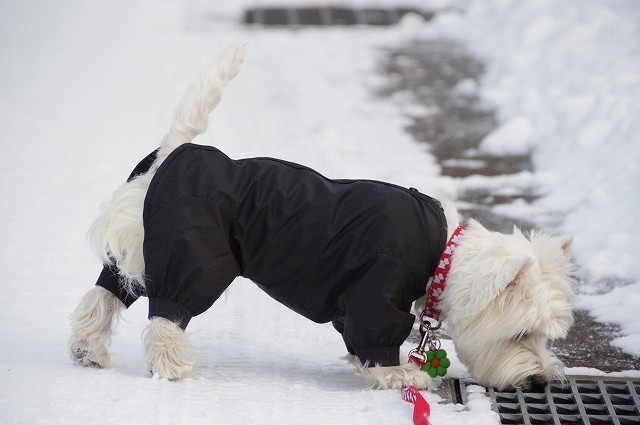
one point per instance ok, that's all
(421, 409)
(416, 359)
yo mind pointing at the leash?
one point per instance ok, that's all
(428, 355)
(421, 409)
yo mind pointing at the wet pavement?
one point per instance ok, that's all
(442, 78)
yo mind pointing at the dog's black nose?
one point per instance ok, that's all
(537, 383)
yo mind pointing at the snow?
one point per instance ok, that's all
(615, 307)
(88, 88)
(510, 138)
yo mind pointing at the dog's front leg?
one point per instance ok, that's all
(91, 325)
(167, 349)
(394, 377)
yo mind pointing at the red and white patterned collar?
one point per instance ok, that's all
(439, 280)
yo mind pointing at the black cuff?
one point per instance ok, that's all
(170, 310)
(385, 356)
(109, 279)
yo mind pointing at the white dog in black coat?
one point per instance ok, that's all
(355, 252)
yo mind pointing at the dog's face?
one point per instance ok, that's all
(507, 296)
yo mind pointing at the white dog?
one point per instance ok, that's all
(354, 252)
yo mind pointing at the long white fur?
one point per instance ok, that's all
(202, 97)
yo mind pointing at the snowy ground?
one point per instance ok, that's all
(87, 89)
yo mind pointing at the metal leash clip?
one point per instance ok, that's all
(419, 354)
(425, 351)
(429, 356)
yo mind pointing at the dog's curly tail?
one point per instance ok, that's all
(192, 115)
(117, 235)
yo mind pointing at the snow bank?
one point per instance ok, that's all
(565, 78)
(617, 306)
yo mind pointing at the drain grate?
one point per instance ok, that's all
(581, 401)
(328, 15)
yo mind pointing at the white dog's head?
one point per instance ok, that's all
(507, 296)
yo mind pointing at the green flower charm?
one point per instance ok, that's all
(437, 363)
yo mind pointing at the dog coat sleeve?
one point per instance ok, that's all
(188, 260)
(377, 318)
(109, 279)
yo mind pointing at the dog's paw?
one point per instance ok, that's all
(167, 350)
(84, 356)
(396, 377)
(167, 367)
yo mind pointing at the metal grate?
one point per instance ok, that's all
(328, 16)
(581, 401)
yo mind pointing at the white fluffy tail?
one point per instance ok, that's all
(192, 115)
(117, 235)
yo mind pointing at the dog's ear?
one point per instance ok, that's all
(489, 263)
(494, 276)
(566, 242)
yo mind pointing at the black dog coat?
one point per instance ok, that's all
(354, 252)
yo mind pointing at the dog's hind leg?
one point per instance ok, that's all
(91, 325)
(167, 349)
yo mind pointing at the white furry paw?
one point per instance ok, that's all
(167, 350)
(87, 356)
(396, 377)
(91, 324)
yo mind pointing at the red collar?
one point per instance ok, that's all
(439, 280)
